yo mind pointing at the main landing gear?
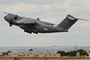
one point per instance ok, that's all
(30, 32)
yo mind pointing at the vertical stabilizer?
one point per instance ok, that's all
(67, 22)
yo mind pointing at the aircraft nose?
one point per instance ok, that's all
(6, 18)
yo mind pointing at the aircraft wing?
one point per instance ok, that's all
(48, 23)
(25, 21)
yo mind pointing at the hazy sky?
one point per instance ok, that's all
(50, 11)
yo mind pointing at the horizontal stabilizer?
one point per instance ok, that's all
(82, 19)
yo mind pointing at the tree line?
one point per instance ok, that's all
(73, 53)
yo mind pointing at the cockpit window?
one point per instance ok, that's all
(16, 17)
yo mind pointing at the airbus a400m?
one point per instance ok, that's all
(36, 26)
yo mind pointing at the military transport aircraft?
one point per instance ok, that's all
(36, 26)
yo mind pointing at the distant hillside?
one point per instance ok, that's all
(65, 48)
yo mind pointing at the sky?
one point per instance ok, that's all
(53, 11)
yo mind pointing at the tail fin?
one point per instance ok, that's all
(67, 22)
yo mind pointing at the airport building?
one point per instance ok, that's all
(88, 53)
(34, 54)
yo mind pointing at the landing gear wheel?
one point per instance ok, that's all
(30, 32)
(36, 32)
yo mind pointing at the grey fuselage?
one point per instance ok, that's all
(37, 27)
(41, 28)
(30, 25)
